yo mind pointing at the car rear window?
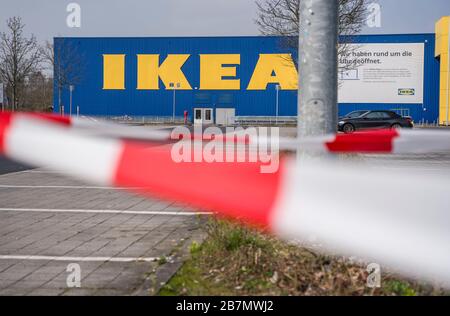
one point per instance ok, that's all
(355, 114)
(381, 115)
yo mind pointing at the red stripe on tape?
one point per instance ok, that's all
(237, 190)
(380, 141)
(5, 121)
(53, 118)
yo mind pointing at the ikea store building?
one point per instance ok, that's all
(215, 79)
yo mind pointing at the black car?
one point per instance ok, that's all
(373, 120)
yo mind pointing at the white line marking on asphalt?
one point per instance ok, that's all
(13, 173)
(78, 259)
(46, 210)
(7, 186)
(43, 172)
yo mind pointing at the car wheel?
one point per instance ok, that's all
(348, 128)
(396, 126)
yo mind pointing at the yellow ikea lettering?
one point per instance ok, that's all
(113, 72)
(217, 72)
(150, 71)
(213, 71)
(274, 68)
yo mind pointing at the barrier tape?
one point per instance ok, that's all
(345, 209)
(104, 128)
(376, 141)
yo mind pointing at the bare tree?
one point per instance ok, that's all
(65, 61)
(38, 92)
(19, 58)
(281, 17)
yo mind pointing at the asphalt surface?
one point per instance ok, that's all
(8, 166)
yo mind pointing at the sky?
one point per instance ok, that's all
(47, 18)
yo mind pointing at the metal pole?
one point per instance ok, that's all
(59, 87)
(318, 40)
(448, 72)
(175, 86)
(277, 87)
(174, 100)
(70, 109)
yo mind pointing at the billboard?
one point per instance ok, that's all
(382, 73)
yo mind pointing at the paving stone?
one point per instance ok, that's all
(83, 235)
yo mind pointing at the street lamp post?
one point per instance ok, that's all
(174, 87)
(277, 88)
(71, 88)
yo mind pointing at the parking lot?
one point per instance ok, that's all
(123, 244)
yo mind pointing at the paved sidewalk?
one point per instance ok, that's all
(48, 222)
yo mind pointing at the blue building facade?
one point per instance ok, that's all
(113, 79)
(428, 111)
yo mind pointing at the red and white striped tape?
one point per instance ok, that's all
(345, 209)
(376, 141)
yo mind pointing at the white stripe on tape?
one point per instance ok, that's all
(422, 142)
(47, 145)
(398, 218)
(117, 130)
